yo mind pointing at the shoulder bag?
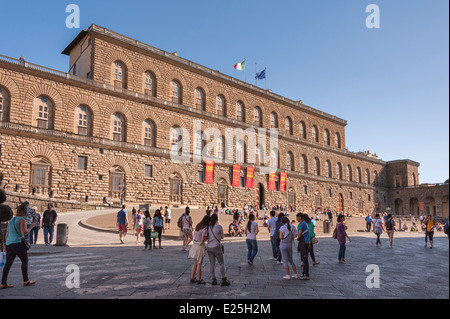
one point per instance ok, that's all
(221, 246)
(24, 241)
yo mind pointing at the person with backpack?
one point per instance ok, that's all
(278, 226)
(303, 243)
(288, 233)
(390, 228)
(185, 223)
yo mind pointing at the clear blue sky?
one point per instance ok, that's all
(390, 84)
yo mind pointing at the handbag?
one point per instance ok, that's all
(24, 241)
(221, 246)
(154, 234)
(314, 240)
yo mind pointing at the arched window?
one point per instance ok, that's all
(414, 179)
(176, 92)
(326, 137)
(240, 152)
(198, 143)
(274, 162)
(375, 178)
(118, 127)
(358, 175)
(337, 140)
(273, 120)
(149, 84)
(221, 105)
(43, 110)
(220, 152)
(240, 111)
(175, 139)
(339, 171)
(4, 105)
(200, 99)
(304, 164)
(316, 166)
(315, 134)
(119, 74)
(83, 118)
(149, 131)
(302, 130)
(290, 161)
(289, 130)
(328, 171)
(349, 173)
(260, 155)
(258, 117)
(367, 177)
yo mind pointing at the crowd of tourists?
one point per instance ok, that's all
(18, 233)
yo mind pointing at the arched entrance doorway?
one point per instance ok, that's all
(445, 207)
(260, 195)
(430, 206)
(398, 207)
(341, 203)
(414, 206)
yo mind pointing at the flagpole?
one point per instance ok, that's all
(266, 78)
(245, 69)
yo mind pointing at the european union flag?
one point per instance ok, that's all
(261, 75)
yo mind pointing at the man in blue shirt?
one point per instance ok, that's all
(122, 223)
(303, 243)
(368, 222)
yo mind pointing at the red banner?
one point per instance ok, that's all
(209, 173)
(250, 177)
(422, 206)
(272, 176)
(376, 205)
(283, 182)
(236, 175)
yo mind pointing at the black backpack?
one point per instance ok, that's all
(180, 221)
(389, 224)
(446, 228)
(278, 225)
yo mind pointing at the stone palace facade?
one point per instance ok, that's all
(107, 127)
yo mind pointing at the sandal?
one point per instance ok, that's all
(29, 283)
(6, 287)
(201, 282)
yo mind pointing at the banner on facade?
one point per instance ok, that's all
(376, 205)
(250, 177)
(422, 206)
(272, 177)
(236, 175)
(209, 172)
(283, 181)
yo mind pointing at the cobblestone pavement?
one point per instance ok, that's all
(111, 270)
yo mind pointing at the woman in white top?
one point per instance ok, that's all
(252, 245)
(288, 233)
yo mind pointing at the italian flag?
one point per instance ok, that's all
(240, 66)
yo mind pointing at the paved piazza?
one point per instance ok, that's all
(110, 270)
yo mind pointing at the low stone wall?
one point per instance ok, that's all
(15, 199)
